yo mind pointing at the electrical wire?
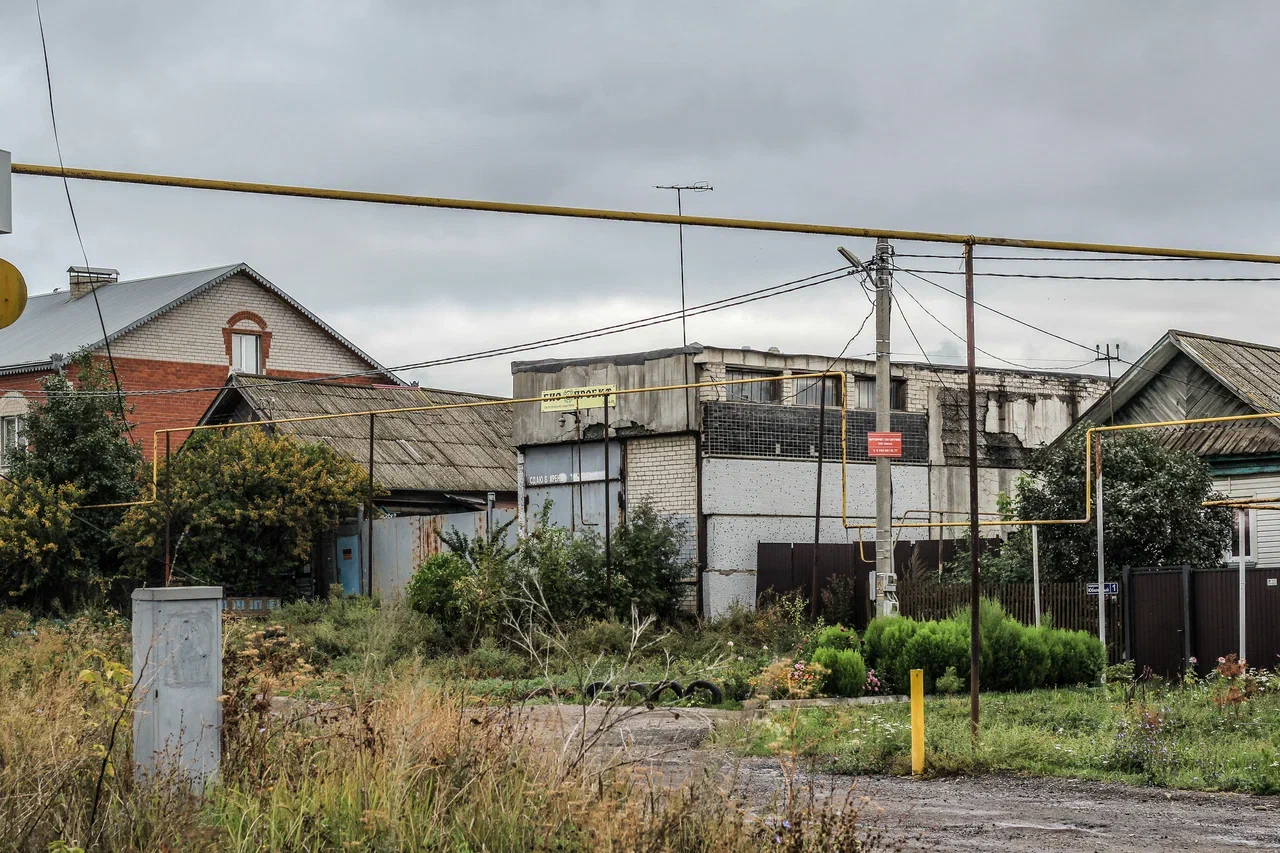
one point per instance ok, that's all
(66, 186)
(1065, 277)
(603, 331)
(847, 344)
(961, 337)
(1218, 392)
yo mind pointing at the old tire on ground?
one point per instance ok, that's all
(662, 687)
(715, 694)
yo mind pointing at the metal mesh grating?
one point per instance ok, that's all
(791, 432)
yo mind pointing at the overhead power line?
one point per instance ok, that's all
(1218, 392)
(66, 187)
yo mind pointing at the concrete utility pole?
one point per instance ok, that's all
(886, 580)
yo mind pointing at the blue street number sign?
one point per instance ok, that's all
(1109, 588)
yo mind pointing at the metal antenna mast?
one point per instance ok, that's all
(699, 187)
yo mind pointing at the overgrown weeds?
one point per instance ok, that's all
(416, 767)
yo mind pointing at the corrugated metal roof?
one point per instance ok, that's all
(1250, 370)
(54, 323)
(466, 449)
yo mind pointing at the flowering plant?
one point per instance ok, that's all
(788, 679)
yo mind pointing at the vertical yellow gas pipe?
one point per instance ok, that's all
(917, 721)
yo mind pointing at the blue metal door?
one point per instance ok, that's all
(349, 564)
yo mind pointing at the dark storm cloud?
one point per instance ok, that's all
(1135, 122)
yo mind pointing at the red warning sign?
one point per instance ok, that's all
(884, 444)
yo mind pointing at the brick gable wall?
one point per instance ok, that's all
(188, 348)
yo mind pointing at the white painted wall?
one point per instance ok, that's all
(1267, 521)
(782, 487)
(749, 501)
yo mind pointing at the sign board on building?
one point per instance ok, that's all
(884, 444)
(573, 399)
(561, 478)
(1110, 588)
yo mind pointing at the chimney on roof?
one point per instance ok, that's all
(84, 279)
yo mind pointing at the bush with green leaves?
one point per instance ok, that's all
(936, 647)
(1013, 656)
(1155, 514)
(950, 683)
(837, 637)
(440, 588)
(846, 672)
(77, 451)
(245, 507)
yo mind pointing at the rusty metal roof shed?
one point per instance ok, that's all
(443, 450)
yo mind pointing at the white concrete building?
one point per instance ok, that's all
(736, 463)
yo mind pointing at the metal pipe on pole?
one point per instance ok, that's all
(886, 581)
(257, 188)
(369, 517)
(1242, 521)
(168, 511)
(608, 513)
(975, 587)
(817, 501)
(1035, 568)
(1102, 573)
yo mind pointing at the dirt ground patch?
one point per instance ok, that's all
(977, 813)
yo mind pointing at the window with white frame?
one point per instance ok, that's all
(246, 353)
(12, 438)
(1250, 517)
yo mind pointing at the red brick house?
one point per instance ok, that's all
(187, 330)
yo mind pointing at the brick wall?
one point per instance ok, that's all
(664, 471)
(187, 348)
(193, 332)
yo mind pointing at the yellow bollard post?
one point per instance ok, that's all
(917, 722)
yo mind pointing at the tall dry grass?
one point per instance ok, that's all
(414, 768)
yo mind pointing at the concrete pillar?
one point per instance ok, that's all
(177, 661)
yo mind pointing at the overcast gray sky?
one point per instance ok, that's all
(1137, 122)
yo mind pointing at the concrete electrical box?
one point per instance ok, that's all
(6, 193)
(177, 662)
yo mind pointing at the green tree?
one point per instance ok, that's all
(76, 437)
(40, 560)
(247, 507)
(1153, 515)
(648, 565)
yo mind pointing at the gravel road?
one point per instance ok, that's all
(972, 813)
